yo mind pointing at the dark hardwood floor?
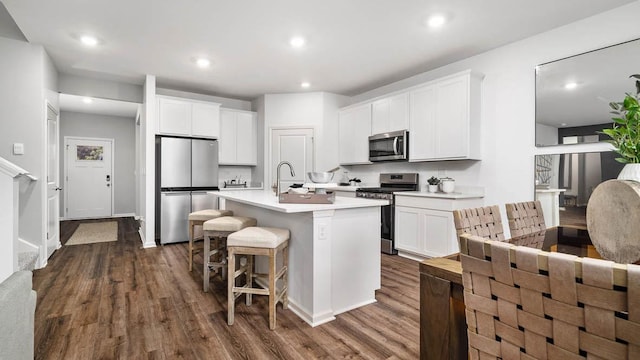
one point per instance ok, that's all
(118, 300)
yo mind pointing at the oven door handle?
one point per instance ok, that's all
(395, 146)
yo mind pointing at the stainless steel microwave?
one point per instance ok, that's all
(389, 146)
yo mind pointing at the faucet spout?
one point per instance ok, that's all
(278, 174)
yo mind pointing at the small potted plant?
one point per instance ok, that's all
(433, 184)
(625, 133)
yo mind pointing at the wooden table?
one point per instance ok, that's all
(443, 329)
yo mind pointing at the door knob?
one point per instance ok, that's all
(108, 185)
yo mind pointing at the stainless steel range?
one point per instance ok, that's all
(389, 183)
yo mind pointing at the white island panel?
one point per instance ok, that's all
(334, 250)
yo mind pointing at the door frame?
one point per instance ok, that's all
(66, 170)
(270, 145)
(43, 256)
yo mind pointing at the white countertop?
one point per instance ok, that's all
(267, 200)
(351, 188)
(242, 189)
(440, 195)
(550, 190)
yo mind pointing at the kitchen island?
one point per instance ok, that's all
(334, 250)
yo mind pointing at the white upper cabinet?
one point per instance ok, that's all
(205, 119)
(445, 119)
(188, 117)
(238, 137)
(390, 114)
(174, 116)
(355, 129)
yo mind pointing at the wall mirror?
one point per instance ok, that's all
(564, 183)
(573, 94)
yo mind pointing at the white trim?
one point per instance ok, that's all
(66, 172)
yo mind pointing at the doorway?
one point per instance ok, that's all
(294, 145)
(88, 177)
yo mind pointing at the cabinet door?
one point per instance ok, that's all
(246, 139)
(380, 116)
(409, 229)
(174, 117)
(423, 124)
(227, 140)
(399, 112)
(438, 227)
(355, 129)
(205, 120)
(453, 118)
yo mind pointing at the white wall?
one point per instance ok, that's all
(28, 78)
(225, 102)
(508, 104)
(100, 88)
(317, 110)
(122, 131)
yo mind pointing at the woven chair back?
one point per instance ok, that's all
(483, 221)
(525, 218)
(524, 303)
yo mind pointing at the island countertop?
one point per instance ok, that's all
(267, 200)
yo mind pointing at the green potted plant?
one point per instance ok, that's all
(433, 184)
(625, 132)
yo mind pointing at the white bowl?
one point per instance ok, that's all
(320, 177)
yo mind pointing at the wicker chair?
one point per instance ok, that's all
(525, 218)
(524, 303)
(484, 221)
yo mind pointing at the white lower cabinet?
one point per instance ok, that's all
(424, 226)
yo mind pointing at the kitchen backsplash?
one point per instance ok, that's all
(238, 173)
(464, 172)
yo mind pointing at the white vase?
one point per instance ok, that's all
(630, 172)
(433, 188)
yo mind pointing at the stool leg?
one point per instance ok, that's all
(285, 278)
(249, 279)
(222, 246)
(272, 289)
(231, 279)
(191, 225)
(205, 261)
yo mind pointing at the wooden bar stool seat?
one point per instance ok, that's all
(197, 218)
(263, 241)
(218, 229)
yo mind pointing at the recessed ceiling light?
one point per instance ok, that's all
(563, 124)
(570, 85)
(436, 21)
(203, 63)
(305, 85)
(87, 100)
(89, 40)
(297, 42)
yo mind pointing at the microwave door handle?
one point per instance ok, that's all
(395, 145)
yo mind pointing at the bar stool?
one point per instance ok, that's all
(197, 218)
(253, 241)
(218, 229)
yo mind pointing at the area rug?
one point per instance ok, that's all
(96, 232)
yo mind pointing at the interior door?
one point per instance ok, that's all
(89, 178)
(53, 183)
(296, 147)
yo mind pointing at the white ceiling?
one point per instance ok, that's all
(352, 45)
(98, 106)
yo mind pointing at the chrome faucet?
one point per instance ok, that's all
(278, 174)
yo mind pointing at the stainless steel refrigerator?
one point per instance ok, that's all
(186, 169)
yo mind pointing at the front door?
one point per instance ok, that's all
(89, 179)
(296, 147)
(53, 183)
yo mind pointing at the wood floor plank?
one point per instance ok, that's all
(117, 300)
